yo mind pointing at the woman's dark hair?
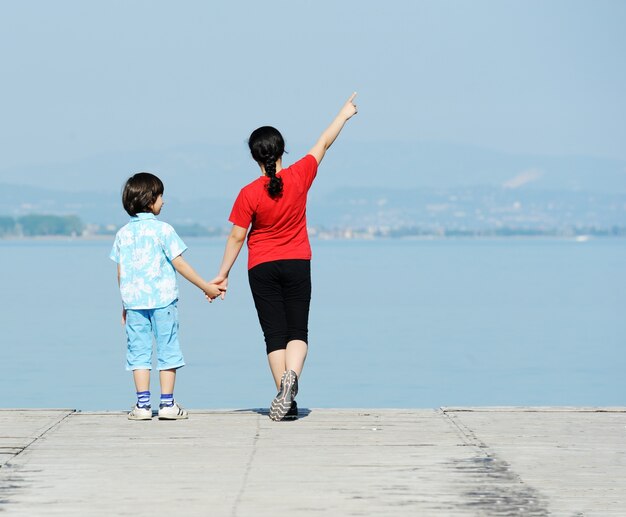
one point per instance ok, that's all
(267, 145)
(141, 192)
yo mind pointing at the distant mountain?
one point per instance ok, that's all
(101, 207)
(441, 165)
(359, 184)
(469, 208)
(202, 171)
(474, 207)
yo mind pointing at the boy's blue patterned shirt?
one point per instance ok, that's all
(144, 249)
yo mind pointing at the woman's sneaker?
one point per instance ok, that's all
(282, 402)
(140, 413)
(173, 412)
(292, 414)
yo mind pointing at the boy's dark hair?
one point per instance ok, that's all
(266, 146)
(141, 192)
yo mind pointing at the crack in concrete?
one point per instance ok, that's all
(12, 483)
(497, 488)
(244, 481)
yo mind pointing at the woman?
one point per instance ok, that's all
(273, 208)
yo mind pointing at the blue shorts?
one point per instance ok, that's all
(144, 324)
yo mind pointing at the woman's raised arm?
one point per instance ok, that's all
(331, 132)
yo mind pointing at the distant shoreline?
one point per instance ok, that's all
(521, 236)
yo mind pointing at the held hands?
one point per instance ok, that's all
(212, 290)
(349, 109)
(222, 283)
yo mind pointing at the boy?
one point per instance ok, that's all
(148, 253)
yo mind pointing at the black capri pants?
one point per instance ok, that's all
(282, 295)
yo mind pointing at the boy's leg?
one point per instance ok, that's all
(139, 360)
(142, 380)
(169, 408)
(165, 328)
(142, 410)
(139, 341)
(168, 380)
(170, 358)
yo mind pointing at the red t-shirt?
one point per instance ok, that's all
(278, 225)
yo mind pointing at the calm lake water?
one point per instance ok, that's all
(394, 323)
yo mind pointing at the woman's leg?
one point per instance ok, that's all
(290, 359)
(278, 365)
(295, 356)
(282, 293)
(265, 284)
(297, 296)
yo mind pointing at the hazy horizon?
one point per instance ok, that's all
(89, 81)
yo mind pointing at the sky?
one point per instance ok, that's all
(83, 79)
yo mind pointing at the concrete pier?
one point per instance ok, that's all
(448, 461)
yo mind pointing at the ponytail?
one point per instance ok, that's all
(267, 146)
(275, 186)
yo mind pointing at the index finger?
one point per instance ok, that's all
(352, 97)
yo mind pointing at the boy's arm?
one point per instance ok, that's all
(181, 265)
(231, 251)
(118, 284)
(331, 132)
